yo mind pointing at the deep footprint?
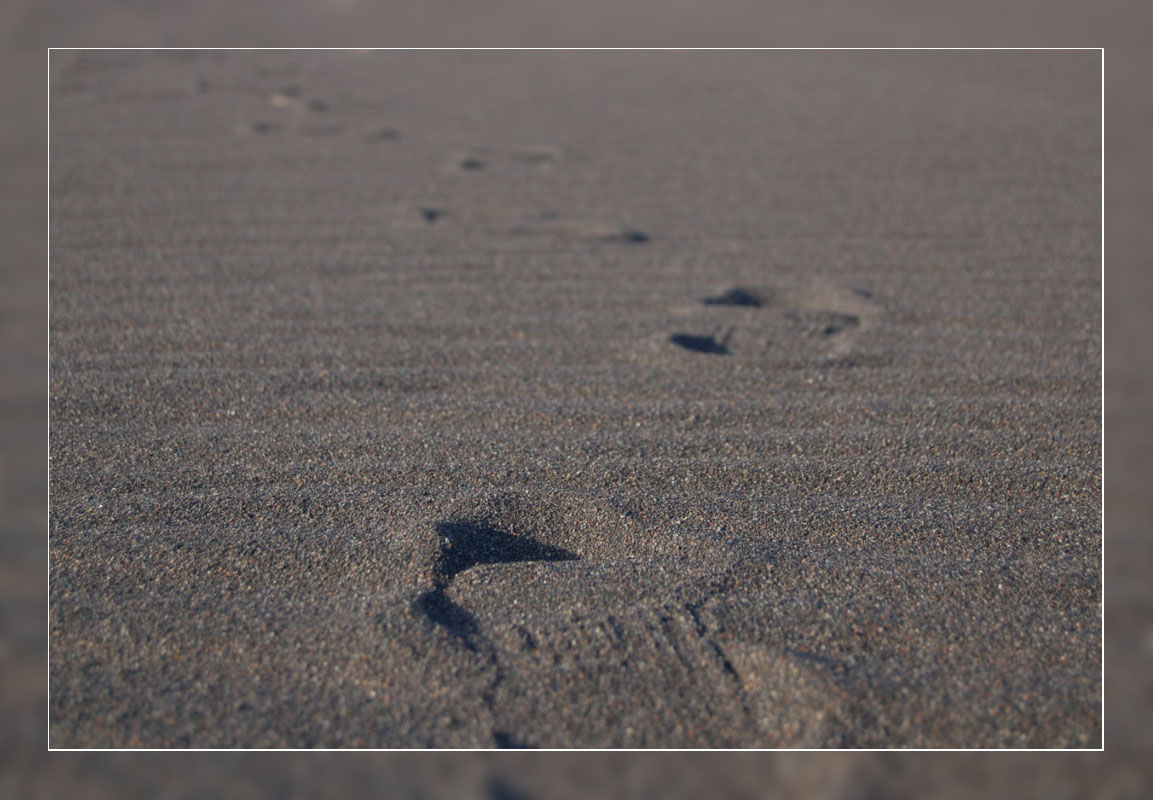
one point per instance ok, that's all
(438, 608)
(466, 544)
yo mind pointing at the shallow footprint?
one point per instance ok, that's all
(531, 225)
(588, 231)
(481, 159)
(794, 324)
(257, 128)
(385, 135)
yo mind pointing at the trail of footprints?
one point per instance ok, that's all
(792, 322)
(782, 324)
(289, 109)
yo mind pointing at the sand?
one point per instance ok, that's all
(575, 400)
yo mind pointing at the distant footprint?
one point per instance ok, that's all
(790, 323)
(260, 128)
(385, 135)
(481, 159)
(308, 116)
(514, 223)
(290, 98)
(576, 229)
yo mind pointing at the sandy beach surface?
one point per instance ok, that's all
(575, 399)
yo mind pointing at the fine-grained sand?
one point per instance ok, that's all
(574, 399)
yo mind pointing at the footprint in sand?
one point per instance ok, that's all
(528, 224)
(656, 609)
(492, 159)
(561, 229)
(291, 98)
(385, 135)
(533, 227)
(310, 116)
(796, 323)
(257, 128)
(491, 533)
(466, 544)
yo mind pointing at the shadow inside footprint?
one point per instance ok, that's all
(700, 344)
(506, 741)
(839, 323)
(467, 544)
(439, 609)
(734, 297)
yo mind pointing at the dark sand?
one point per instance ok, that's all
(575, 400)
